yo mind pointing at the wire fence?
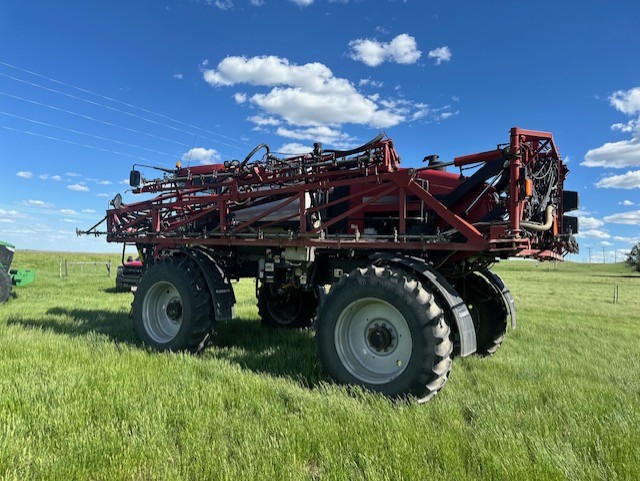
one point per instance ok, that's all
(63, 266)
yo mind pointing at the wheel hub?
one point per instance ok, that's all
(380, 338)
(174, 310)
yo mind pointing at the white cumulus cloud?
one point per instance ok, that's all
(295, 148)
(588, 223)
(264, 121)
(25, 174)
(78, 188)
(626, 101)
(178, 76)
(37, 203)
(222, 4)
(628, 240)
(303, 3)
(68, 211)
(629, 180)
(303, 95)
(629, 218)
(403, 49)
(440, 54)
(57, 178)
(623, 153)
(616, 155)
(368, 82)
(202, 155)
(626, 127)
(240, 97)
(594, 233)
(322, 133)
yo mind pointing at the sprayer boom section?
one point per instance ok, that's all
(511, 205)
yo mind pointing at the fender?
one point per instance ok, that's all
(507, 298)
(445, 294)
(222, 294)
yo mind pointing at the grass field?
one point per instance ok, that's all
(80, 398)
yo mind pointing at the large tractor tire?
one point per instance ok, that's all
(172, 308)
(292, 308)
(488, 311)
(5, 286)
(381, 328)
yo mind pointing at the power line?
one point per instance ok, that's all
(74, 143)
(146, 119)
(87, 134)
(120, 102)
(88, 117)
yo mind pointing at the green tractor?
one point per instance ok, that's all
(10, 277)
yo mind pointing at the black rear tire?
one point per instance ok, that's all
(5, 286)
(380, 328)
(172, 309)
(487, 310)
(293, 308)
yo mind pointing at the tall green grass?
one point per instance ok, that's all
(80, 398)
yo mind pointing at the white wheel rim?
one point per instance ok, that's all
(162, 312)
(373, 341)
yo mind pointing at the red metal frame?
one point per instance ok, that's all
(373, 174)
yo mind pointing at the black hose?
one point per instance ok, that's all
(344, 153)
(248, 157)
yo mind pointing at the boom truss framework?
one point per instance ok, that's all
(243, 203)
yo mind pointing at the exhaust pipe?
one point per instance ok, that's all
(534, 226)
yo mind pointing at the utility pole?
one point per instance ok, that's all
(589, 256)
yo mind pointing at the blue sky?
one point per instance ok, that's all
(89, 88)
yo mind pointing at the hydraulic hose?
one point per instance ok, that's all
(248, 157)
(536, 227)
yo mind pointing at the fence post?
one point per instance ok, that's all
(109, 268)
(66, 267)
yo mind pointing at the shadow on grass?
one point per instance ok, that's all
(276, 352)
(80, 322)
(614, 276)
(115, 290)
(286, 353)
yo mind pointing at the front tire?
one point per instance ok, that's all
(488, 312)
(381, 329)
(172, 308)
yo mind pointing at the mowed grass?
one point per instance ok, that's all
(80, 398)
